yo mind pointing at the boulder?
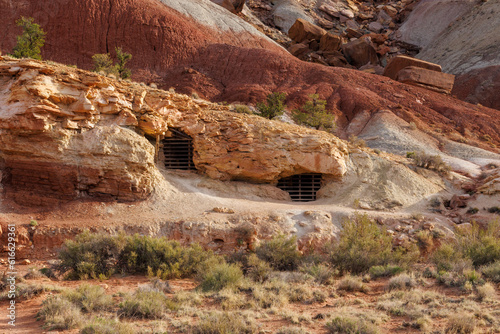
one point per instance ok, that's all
(360, 52)
(330, 10)
(303, 30)
(299, 49)
(329, 42)
(436, 81)
(375, 27)
(397, 63)
(286, 12)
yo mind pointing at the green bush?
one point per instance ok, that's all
(348, 325)
(123, 58)
(30, 41)
(385, 271)
(59, 313)
(224, 323)
(146, 304)
(275, 105)
(104, 63)
(89, 298)
(480, 245)
(257, 269)
(363, 245)
(322, 273)
(100, 255)
(280, 252)
(90, 255)
(313, 113)
(221, 276)
(161, 257)
(107, 326)
(492, 271)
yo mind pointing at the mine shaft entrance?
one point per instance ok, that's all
(301, 187)
(178, 150)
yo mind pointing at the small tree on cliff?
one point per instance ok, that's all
(104, 63)
(275, 105)
(123, 58)
(313, 113)
(30, 41)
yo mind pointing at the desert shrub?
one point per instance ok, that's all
(485, 291)
(461, 324)
(494, 209)
(257, 269)
(446, 257)
(385, 271)
(161, 257)
(242, 109)
(159, 285)
(427, 161)
(59, 313)
(358, 142)
(401, 282)
(464, 279)
(280, 252)
(89, 298)
(299, 293)
(492, 271)
(274, 107)
(351, 284)
(90, 255)
(322, 273)
(363, 245)
(480, 245)
(107, 326)
(25, 291)
(313, 113)
(123, 58)
(221, 276)
(272, 293)
(104, 63)
(224, 323)
(33, 273)
(30, 41)
(348, 325)
(146, 304)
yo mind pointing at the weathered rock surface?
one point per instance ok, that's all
(69, 133)
(437, 81)
(197, 46)
(463, 37)
(479, 86)
(303, 30)
(360, 52)
(397, 63)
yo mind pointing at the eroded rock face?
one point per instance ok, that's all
(69, 133)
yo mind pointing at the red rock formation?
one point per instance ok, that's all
(479, 86)
(226, 65)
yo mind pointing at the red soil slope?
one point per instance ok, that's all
(177, 51)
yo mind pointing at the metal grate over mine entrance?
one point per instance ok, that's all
(301, 187)
(178, 151)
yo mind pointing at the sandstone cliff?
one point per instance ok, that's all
(69, 133)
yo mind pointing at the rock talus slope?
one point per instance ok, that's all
(463, 37)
